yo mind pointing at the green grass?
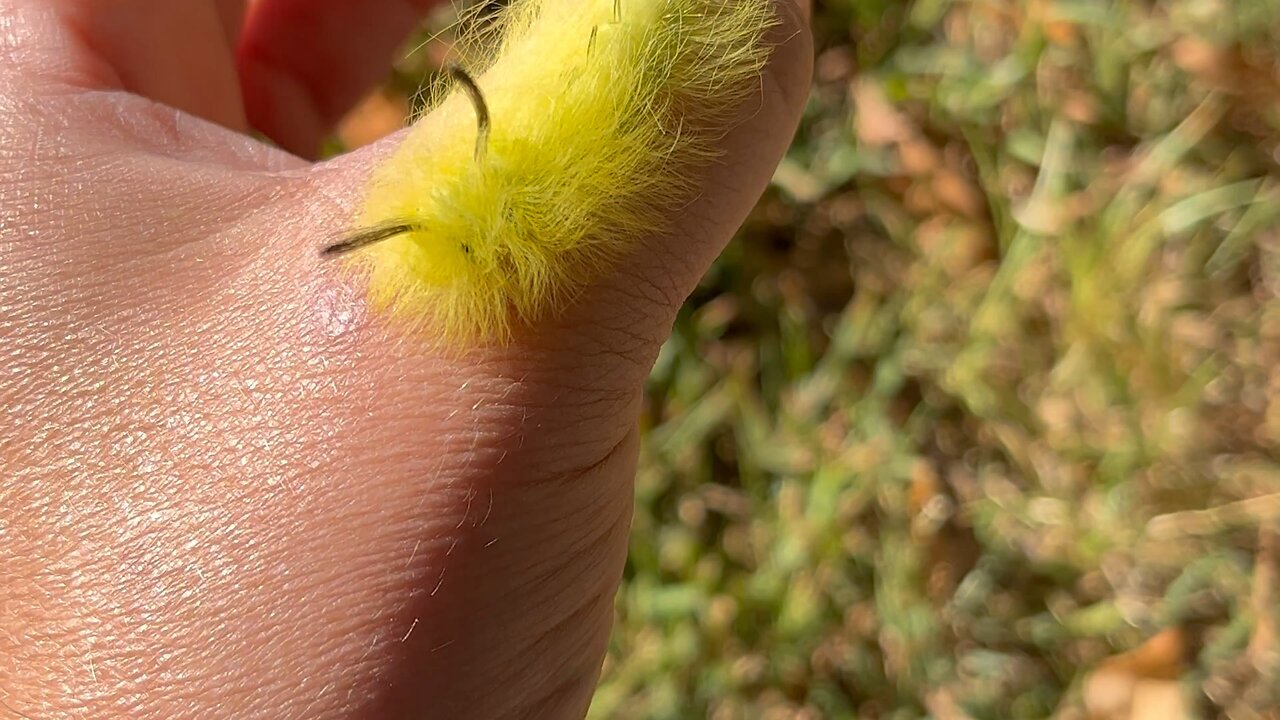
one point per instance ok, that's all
(988, 390)
(1011, 300)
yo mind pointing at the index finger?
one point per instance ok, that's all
(304, 63)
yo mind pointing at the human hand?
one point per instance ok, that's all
(225, 489)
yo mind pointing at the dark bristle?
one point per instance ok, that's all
(472, 89)
(367, 237)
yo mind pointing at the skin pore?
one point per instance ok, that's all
(226, 490)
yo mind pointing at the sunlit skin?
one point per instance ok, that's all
(227, 490)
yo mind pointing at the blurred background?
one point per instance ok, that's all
(979, 416)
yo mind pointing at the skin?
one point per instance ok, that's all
(225, 489)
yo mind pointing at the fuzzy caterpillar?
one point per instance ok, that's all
(599, 112)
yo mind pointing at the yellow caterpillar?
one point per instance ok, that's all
(593, 115)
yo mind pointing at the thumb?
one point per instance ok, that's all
(530, 445)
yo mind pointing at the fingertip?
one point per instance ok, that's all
(280, 107)
(304, 64)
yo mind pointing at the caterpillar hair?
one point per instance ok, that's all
(590, 118)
